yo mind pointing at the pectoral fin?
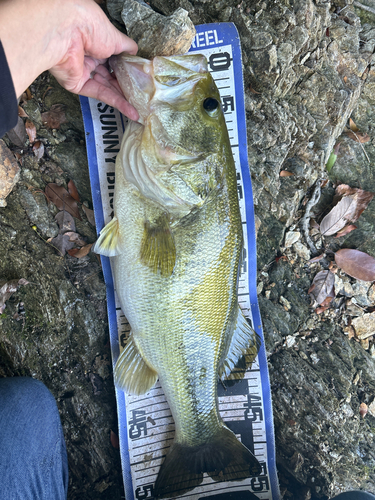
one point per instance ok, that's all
(132, 374)
(108, 241)
(243, 348)
(158, 250)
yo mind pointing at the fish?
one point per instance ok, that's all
(175, 244)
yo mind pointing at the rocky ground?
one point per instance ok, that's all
(309, 67)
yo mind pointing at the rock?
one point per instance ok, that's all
(302, 250)
(291, 237)
(364, 325)
(9, 172)
(155, 34)
(36, 209)
(308, 66)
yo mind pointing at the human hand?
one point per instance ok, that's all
(71, 38)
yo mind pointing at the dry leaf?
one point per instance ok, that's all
(285, 173)
(327, 301)
(115, 440)
(18, 135)
(55, 116)
(22, 113)
(322, 286)
(76, 238)
(338, 217)
(30, 130)
(89, 214)
(73, 190)
(361, 137)
(357, 264)
(65, 221)
(348, 209)
(62, 199)
(38, 149)
(353, 126)
(317, 258)
(363, 410)
(62, 243)
(80, 252)
(321, 309)
(7, 288)
(346, 230)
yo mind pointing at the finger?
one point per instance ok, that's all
(103, 76)
(110, 96)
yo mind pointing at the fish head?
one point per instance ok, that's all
(177, 101)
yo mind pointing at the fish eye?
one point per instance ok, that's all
(210, 104)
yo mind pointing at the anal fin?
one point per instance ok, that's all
(108, 241)
(243, 349)
(158, 250)
(132, 374)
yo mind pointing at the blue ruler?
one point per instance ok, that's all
(146, 426)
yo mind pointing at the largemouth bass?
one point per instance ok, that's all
(175, 244)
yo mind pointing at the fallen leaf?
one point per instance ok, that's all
(38, 149)
(361, 137)
(363, 409)
(62, 199)
(62, 243)
(253, 91)
(7, 288)
(18, 135)
(322, 286)
(22, 113)
(80, 252)
(321, 309)
(65, 221)
(317, 259)
(338, 217)
(89, 214)
(55, 116)
(30, 130)
(353, 126)
(357, 264)
(285, 173)
(73, 190)
(327, 301)
(115, 440)
(76, 238)
(348, 209)
(346, 230)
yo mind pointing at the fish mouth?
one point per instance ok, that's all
(135, 77)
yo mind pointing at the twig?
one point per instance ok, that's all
(364, 7)
(306, 218)
(368, 159)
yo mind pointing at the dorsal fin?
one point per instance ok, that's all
(245, 342)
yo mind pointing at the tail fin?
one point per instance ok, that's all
(224, 458)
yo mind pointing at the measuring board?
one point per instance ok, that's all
(146, 427)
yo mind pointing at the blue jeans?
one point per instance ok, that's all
(33, 460)
(354, 495)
